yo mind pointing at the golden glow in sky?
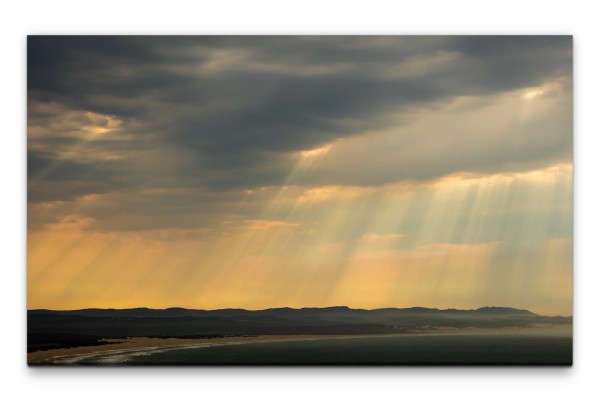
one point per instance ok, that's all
(334, 246)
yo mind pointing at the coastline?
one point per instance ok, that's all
(147, 344)
(121, 350)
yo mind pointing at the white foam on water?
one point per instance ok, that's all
(116, 357)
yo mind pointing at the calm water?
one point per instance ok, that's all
(436, 349)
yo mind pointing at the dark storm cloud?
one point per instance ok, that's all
(507, 62)
(236, 105)
(50, 180)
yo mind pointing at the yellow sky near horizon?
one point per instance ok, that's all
(298, 262)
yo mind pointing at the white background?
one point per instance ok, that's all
(18, 19)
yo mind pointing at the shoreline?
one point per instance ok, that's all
(140, 344)
(119, 350)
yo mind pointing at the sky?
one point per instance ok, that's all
(256, 172)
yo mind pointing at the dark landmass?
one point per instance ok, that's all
(49, 329)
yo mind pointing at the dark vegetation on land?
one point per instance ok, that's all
(65, 329)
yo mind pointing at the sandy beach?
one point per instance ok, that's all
(144, 343)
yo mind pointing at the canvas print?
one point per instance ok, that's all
(299, 200)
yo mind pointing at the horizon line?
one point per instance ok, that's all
(298, 308)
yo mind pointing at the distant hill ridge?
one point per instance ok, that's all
(47, 327)
(282, 312)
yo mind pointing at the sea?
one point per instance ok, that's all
(518, 347)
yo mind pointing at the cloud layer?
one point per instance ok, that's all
(226, 112)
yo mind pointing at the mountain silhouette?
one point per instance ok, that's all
(282, 312)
